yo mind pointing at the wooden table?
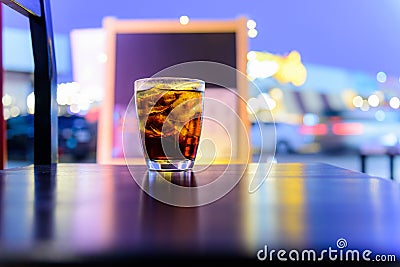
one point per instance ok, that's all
(89, 213)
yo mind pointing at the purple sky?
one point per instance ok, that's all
(354, 34)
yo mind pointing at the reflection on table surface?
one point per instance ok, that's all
(99, 212)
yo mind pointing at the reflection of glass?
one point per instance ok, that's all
(186, 178)
(177, 187)
(170, 118)
(156, 234)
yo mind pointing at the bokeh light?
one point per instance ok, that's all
(394, 102)
(373, 100)
(7, 100)
(365, 105)
(252, 33)
(380, 115)
(251, 55)
(251, 24)
(381, 77)
(30, 103)
(357, 101)
(184, 20)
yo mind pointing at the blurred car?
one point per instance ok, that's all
(285, 138)
(76, 137)
(20, 138)
(352, 131)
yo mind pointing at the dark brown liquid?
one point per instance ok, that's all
(170, 123)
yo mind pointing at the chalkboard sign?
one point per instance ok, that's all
(142, 48)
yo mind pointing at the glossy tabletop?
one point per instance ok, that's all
(89, 213)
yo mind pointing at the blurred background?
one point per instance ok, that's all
(328, 71)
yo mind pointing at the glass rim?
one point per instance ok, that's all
(138, 84)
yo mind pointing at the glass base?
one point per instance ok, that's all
(170, 165)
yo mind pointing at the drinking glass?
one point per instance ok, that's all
(170, 115)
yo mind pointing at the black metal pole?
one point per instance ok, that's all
(45, 88)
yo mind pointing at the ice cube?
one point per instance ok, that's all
(187, 110)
